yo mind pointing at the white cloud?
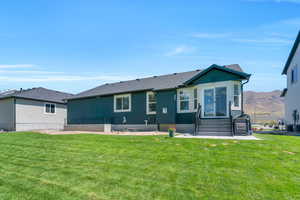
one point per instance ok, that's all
(211, 35)
(277, 41)
(265, 38)
(179, 50)
(28, 72)
(276, 1)
(20, 73)
(17, 66)
(108, 78)
(292, 21)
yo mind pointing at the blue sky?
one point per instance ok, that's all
(76, 45)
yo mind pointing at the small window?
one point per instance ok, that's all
(50, 108)
(195, 99)
(151, 103)
(294, 74)
(122, 103)
(236, 95)
(184, 101)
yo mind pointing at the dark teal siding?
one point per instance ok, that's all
(166, 99)
(84, 111)
(100, 109)
(185, 118)
(216, 76)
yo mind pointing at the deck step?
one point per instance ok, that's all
(215, 125)
(215, 122)
(215, 129)
(213, 133)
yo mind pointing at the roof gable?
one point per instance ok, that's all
(291, 55)
(224, 73)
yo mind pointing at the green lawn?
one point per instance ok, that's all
(36, 166)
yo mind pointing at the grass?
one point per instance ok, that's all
(37, 166)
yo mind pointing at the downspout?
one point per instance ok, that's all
(242, 92)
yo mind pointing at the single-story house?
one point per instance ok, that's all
(177, 100)
(291, 94)
(32, 109)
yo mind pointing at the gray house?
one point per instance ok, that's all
(291, 93)
(32, 109)
(202, 102)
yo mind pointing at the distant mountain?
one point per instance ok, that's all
(264, 106)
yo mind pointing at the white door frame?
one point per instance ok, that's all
(214, 89)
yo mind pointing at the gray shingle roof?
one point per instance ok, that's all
(235, 67)
(292, 54)
(152, 83)
(163, 82)
(41, 94)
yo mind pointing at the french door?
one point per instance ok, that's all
(215, 102)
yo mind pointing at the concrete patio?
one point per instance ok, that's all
(249, 137)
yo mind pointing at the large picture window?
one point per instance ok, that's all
(151, 103)
(122, 103)
(50, 108)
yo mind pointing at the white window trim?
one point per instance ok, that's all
(240, 97)
(201, 87)
(214, 86)
(193, 99)
(147, 104)
(50, 109)
(190, 91)
(115, 103)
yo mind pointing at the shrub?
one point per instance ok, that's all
(171, 132)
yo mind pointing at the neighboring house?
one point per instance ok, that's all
(32, 109)
(163, 101)
(292, 93)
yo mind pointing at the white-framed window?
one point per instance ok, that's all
(50, 108)
(236, 95)
(122, 103)
(195, 95)
(187, 99)
(184, 101)
(151, 103)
